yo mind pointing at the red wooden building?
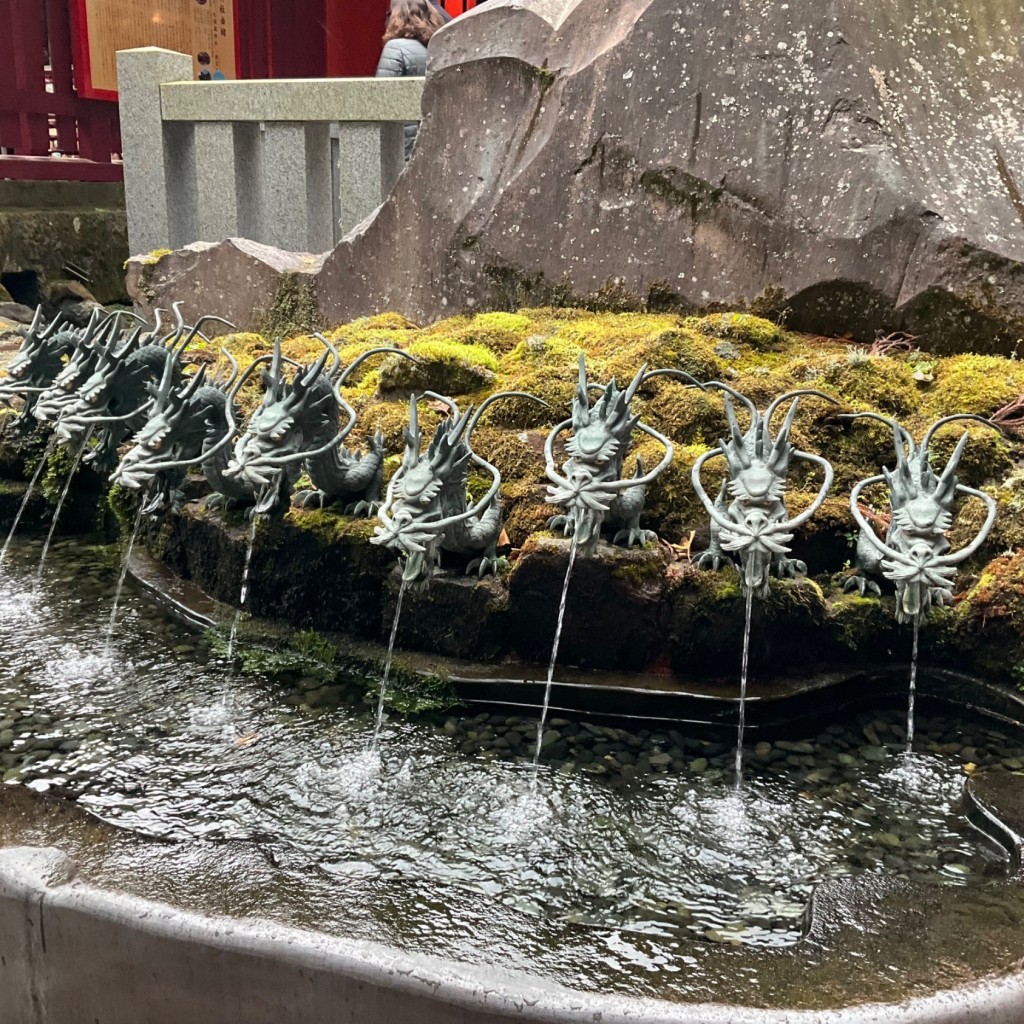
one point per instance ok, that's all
(43, 113)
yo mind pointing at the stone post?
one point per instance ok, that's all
(371, 156)
(140, 73)
(216, 188)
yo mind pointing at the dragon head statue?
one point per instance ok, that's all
(750, 518)
(426, 498)
(590, 486)
(915, 553)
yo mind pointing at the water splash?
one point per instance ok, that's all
(28, 494)
(60, 503)
(387, 670)
(243, 597)
(913, 687)
(124, 573)
(741, 727)
(551, 664)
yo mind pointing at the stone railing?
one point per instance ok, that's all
(293, 163)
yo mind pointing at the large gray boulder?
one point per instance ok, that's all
(859, 165)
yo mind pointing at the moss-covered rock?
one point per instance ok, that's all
(740, 327)
(972, 383)
(446, 367)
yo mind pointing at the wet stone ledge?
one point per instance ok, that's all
(628, 611)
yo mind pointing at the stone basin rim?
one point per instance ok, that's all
(216, 952)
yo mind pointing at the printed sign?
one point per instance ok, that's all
(203, 28)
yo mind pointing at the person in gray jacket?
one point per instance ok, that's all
(411, 23)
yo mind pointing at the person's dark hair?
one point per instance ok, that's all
(413, 19)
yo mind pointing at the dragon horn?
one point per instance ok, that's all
(171, 339)
(37, 320)
(740, 450)
(781, 442)
(751, 408)
(372, 352)
(631, 391)
(412, 433)
(258, 361)
(195, 383)
(581, 390)
(275, 362)
(131, 343)
(233, 376)
(948, 477)
(57, 322)
(164, 388)
(314, 371)
(335, 358)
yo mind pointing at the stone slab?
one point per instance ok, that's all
(847, 167)
(302, 100)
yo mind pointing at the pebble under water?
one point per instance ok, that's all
(633, 854)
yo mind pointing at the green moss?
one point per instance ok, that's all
(293, 310)
(740, 327)
(972, 383)
(55, 476)
(672, 506)
(123, 503)
(331, 527)
(886, 385)
(414, 693)
(152, 258)
(641, 572)
(447, 367)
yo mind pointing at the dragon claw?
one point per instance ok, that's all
(713, 560)
(363, 508)
(486, 565)
(303, 499)
(633, 536)
(789, 568)
(862, 585)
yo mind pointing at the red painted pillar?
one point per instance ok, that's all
(354, 29)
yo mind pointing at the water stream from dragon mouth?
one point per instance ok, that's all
(551, 664)
(28, 495)
(244, 595)
(741, 726)
(60, 503)
(124, 572)
(379, 721)
(913, 687)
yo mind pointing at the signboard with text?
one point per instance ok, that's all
(207, 29)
